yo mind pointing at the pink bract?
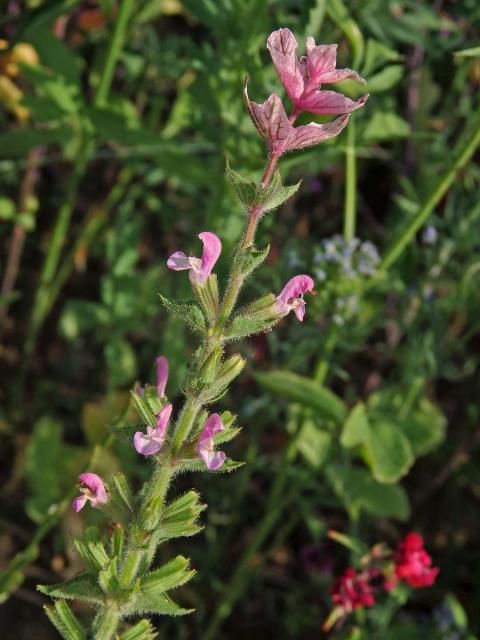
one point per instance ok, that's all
(291, 296)
(205, 445)
(93, 491)
(273, 124)
(200, 268)
(303, 77)
(147, 444)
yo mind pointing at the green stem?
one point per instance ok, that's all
(114, 50)
(106, 623)
(465, 151)
(350, 208)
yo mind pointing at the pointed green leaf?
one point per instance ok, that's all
(83, 587)
(253, 258)
(245, 188)
(143, 630)
(171, 575)
(356, 427)
(388, 452)
(161, 604)
(62, 618)
(275, 193)
(189, 313)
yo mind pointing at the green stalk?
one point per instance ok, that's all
(350, 207)
(464, 153)
(106, 623)
(43, 300)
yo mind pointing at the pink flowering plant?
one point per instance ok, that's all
(120, 580)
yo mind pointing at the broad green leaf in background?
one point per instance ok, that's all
(305, 391)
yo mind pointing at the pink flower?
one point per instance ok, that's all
(162, 375)
(413, 564)
(205, 445)
(353, 590)
(151, 442)
(92, 491)
(302, 77)
(200, 268)
(291, 296)
(273, 124)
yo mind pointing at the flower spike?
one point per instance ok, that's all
(205, 444)
(150, 443)
(291, 296)
(93, 491)
(200, 268)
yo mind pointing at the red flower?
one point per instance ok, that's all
(413, 564)
(353, 590)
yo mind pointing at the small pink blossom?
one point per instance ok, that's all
(205, 445)
(303, 77)
(273, 124)
(151, 442)
(291, 296)
(162, 375)
(93, 491)
(200, 268)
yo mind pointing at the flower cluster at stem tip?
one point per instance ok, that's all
(409, 563)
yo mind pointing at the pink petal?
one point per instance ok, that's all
(213, 459)
(95, 483)
(296, 286)
(178, 261)
(212, 248)
(212, 426)
(162, 375)
(283, 46)
(300, 310)
(149, 443)
(163, 417)
(311, 134)
(271, 121)
(330, 103)
(78, 503)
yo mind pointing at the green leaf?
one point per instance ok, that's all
(314, 444)
(358, 547)
(189, 313)
(83, 587)
(80, 316)
(91, 549)
(253, 258)
(245, 326)
(306, 392)
(356, 428)
(171, 575)
(360, 492)
(18, 142)
(376, 55)
(385, 79)
(62, 618)
(388, 452)
(275, 193)
(385, 126)
(245, 188)
(160, 604)
(107, 578)
(474, 52)
(49, 467)
(54, 54)
(143, 630)
(385, 448)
